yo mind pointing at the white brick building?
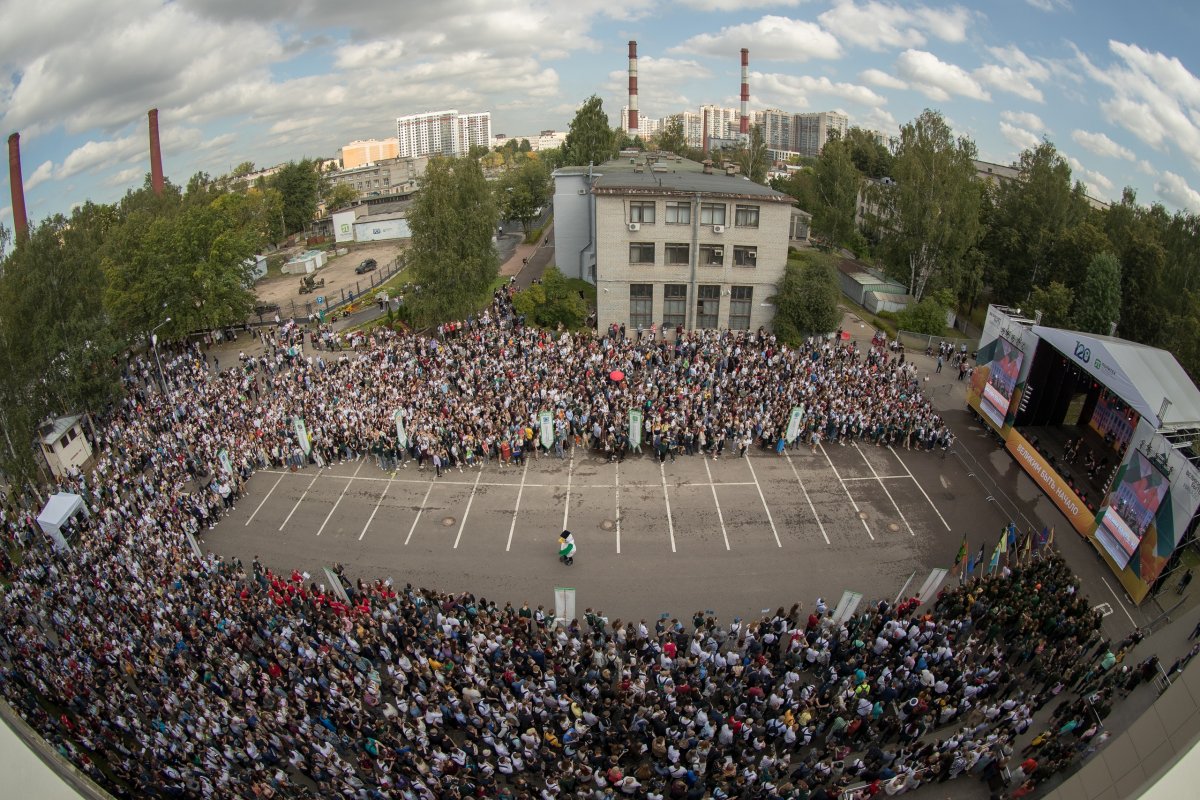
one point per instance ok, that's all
(446, 133)
(669, 244)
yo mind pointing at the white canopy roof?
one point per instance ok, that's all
(1141, 375)
(61, 508)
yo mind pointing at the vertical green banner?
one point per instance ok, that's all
(302, 434)
(546, 421)
(401, 434)
(635, 427)
(793, 428)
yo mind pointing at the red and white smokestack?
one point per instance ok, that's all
(744, 128)
(156, 171)
(704, 133)
(631, 126)
(17, 183)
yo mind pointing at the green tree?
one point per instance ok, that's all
(752, 156)
(869, 155)
(523, 191)
(835, 183)
(451, 254)
(299, 186)
(243, 169)
(552, 302)
(1072, 252)
(671, 137)
(929, 216)
(1099, 303)
(341, 195)
(589, 139)
(807, 299)
(927, 316)
(1029, 216)
(1054, 301)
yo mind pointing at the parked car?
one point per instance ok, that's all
(365, 266)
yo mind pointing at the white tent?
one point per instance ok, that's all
(58, 512)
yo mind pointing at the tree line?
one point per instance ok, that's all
(1036, 242)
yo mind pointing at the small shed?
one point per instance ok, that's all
(58, 511)
(857, 279)
(887, 301)
(63, 444)
(305, 263)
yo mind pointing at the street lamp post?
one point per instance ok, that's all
(154, 345)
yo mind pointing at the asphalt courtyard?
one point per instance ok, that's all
(734, 536)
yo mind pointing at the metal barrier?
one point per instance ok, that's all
(921, 341)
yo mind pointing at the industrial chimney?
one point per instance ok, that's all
(17, 183)
(631, 127)
(156, 171)
(744, 128)
(704, 132)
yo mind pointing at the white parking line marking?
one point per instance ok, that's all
(806, 497)
(871, 467)
(420, 511)
(265, 499)
(340, 496)
(670, 523)
(466, 513)
(517, 508)
(1120, 602)
(918, 483)
(720, 516)
(301, 500)
(375, 510)
(874, 477)
(846, 489)
(617, 519)
(762, 497)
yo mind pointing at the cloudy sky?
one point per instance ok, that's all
(1113, 85)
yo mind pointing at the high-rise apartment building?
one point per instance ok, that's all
(804, 134)
(442, 133)
(368, 151)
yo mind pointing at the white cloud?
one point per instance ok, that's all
(658, 79)
(882, 25)
(126, 177)
(880, 78)
(736, 5)
(1007, 79)
(1097, 183)
(792, 91)
(936, 79)
(1154, 97)
(1024, 119)
(1013, 56)
(43, 173)
(772, 38)
(1019, 137)
(1175, 190)
(1146, 168)
(1101, 145)
(1050, 5)
(93, 155)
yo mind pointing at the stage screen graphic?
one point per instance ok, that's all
(1113, 420)
(1132, 508)
(1003, 371)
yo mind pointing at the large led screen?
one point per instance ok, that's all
(1131, 509)
(1002, 381)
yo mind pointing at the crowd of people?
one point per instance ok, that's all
(163, 674)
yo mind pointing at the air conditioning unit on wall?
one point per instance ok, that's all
(718, 228)
(633, 227)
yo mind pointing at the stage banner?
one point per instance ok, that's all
(302, 434)
(546, 422)
(1051, 483)
(401, 434)
(564, 604)
(635, 427)
(226, 464)
(793, 428)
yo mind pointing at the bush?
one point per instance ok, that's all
(927, 316)
(551, 302)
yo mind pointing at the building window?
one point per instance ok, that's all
(641, 305)
(678, 254)
(745, 257)
(746, 216)
(708, 306)
(712, 255)
(674, 305)
(739, 308)
(641, 253)
(712, 214)
(642, 212)
(679, 213)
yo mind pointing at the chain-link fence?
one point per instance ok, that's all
(337, 298)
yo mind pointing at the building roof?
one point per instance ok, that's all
(399, 212)
(686, 181)
(1141, 375)
(864, 275)
(53, 430)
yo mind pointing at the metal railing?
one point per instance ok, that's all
(345, 295)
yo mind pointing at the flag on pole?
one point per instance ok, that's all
(1027, 549)
(1012, 537)
(1042, 537)
(995, 561)
(979, 558)
(962, 554)
(1050, 538)
(970, 565)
